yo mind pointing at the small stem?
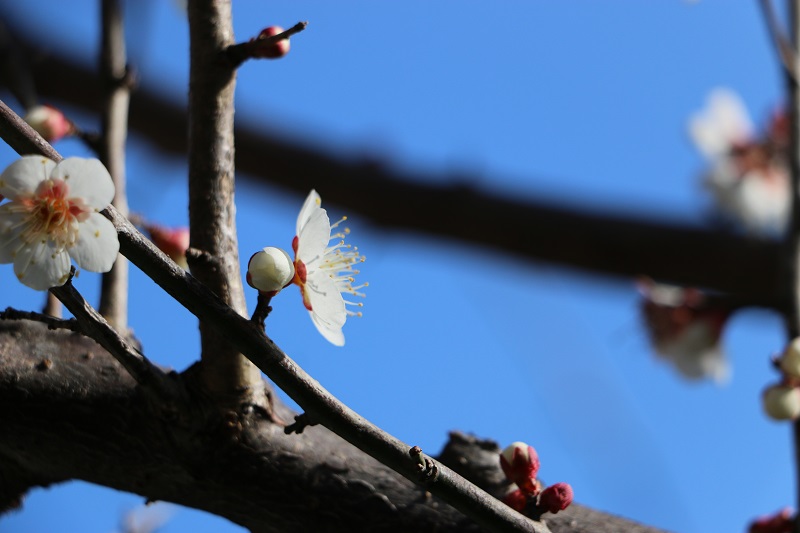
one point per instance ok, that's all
(50, 321)
(783, 45)
(241, 52)
(263, 309)
(113, 68)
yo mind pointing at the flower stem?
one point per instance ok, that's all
(263, 309)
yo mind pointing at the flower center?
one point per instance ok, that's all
(51, 215)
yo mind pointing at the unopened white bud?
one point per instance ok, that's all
(790, 360)
(270, 270)
(782, 402)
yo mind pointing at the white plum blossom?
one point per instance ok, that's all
(53, 215)
(749, 177)
(324, 271)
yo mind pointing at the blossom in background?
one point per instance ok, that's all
(323, 271)
(53, 215)
(49, 122)
(685, 329)
(749, 176)
(781, 400)
(270, 51)
(780, 522)
(172, 241)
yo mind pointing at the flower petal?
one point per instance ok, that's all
(325, 298)
(331, 333)
(97, 246)
(40, 265)
(327, 307)
(314, 238)
(11, 226)
(87, 179)
(24, 175)
(312, 203)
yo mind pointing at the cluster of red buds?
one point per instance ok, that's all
(520, 464)
(780, 522)
(782, 400)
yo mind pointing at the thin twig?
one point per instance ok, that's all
(113, 68)
(93, 325)
(783, 45)
(51, 322)
(241, 52)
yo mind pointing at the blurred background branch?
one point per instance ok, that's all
(598, 241)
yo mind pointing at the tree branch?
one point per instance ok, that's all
(791, 257)
(116, 84)
(84, 418)
(211, 191)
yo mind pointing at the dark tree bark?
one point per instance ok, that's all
(70, 411)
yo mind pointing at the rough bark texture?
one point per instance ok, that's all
(212, 211)
(69, 411)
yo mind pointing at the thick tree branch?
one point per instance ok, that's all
(212, 209)
(116, 83)
(84, 418)
(603, 242)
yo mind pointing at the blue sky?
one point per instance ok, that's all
(585, 103)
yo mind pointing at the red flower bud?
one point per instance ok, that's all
(49, 122)
(520, 464)
(556, 498)
(271, 50)
(172, 241)
(516, 499)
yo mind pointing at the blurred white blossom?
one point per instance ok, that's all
(685, 330)
(748, 175)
